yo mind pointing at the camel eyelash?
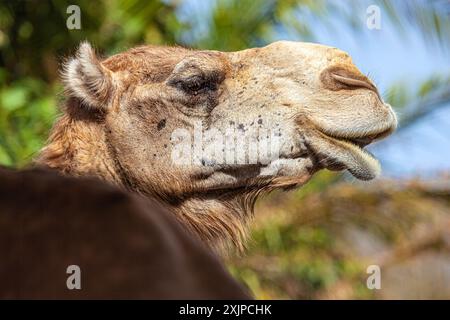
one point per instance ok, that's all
(196, 84)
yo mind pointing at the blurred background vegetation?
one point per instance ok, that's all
(313, 243)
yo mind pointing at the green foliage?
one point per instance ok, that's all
(34, 36)
(321, 247)
(27, 110)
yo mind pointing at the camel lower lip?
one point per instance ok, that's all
(340, 154)
(367, 166)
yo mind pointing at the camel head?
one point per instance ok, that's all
(205, 132)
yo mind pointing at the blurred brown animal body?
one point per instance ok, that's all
(125, 245)
(121, 113)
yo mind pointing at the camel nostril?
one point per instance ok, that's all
(342, 77)
(355, 82)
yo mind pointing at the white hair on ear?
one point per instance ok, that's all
(86, 78)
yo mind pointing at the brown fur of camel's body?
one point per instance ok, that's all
(125, 245)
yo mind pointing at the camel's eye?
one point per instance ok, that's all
(196, 85)
(195, 77)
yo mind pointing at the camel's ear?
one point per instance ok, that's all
(87, 79)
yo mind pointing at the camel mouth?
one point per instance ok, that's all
(339, 150)
(338, 154)
(360, 142)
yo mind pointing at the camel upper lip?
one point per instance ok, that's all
(362, 141)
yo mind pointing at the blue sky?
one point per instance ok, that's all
(420, 150)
